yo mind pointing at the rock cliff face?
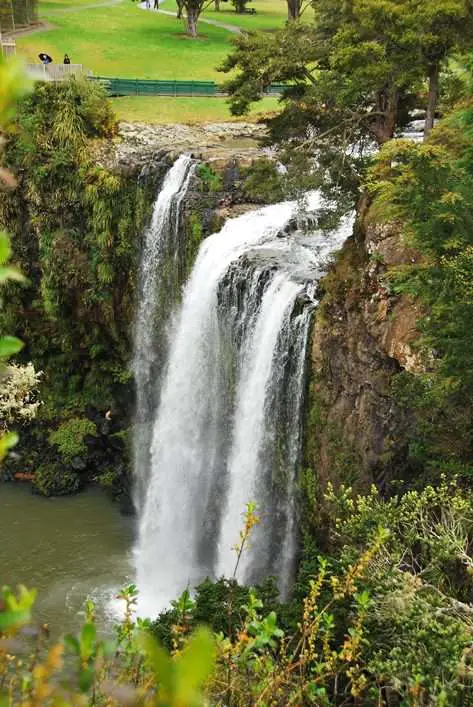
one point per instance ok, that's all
(362, 337)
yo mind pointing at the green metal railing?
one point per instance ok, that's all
(149, 87)
(146, 87)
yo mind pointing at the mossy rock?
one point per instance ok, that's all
(56, 480)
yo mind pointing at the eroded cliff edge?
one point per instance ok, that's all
(363, 336)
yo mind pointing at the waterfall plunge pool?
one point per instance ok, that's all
(69, 549)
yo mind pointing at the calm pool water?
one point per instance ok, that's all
(69, 549)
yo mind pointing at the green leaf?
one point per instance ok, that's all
(159, 661)
(72, 643)
(6, 442)
(87, 640)
(5, 247)
(194, 666)
(9, 619)
(86, 678)
(9, 273)
(9, 345)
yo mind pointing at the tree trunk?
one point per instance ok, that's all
(192, 17)
(434, 75)
(293, 10)
(217, 5)
(384, 125)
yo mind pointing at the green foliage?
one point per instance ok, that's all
(53, 479)
(76, 229)
(352, 74)
(262, 182)
(15, 610)
(428, 189)
(216, 604)
(14, 86)
(211, 181)
(69, 437)
(384, 611)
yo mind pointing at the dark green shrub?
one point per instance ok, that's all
(56, 480)
(262, 183)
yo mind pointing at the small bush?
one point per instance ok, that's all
(263, 184)
(55, 480)
(69, 437)
(211, 181)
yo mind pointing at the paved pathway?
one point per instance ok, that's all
(215, 23)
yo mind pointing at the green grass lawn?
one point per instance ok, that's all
(164, 109)
(123, 40)
(270, 14)
(46, 6)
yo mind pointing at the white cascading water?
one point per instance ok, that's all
(160, 239)
(227, 429)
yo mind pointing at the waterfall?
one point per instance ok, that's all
(226, 430)
(161, 246)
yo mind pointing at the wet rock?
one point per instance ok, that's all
(79, 463)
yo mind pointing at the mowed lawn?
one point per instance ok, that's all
(164, 109)
(270, 14)
(123, 40)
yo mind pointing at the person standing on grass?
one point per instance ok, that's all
(66, 59)
(148, 5)
(156, 5)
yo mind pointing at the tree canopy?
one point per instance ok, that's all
(355, 69)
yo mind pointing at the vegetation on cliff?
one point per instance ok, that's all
(75, 230)
(427, 189)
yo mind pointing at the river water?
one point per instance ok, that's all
(69, 549)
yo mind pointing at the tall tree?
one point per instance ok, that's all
(353, 71)
(193, 10)
(357, 68)
(443, 26)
